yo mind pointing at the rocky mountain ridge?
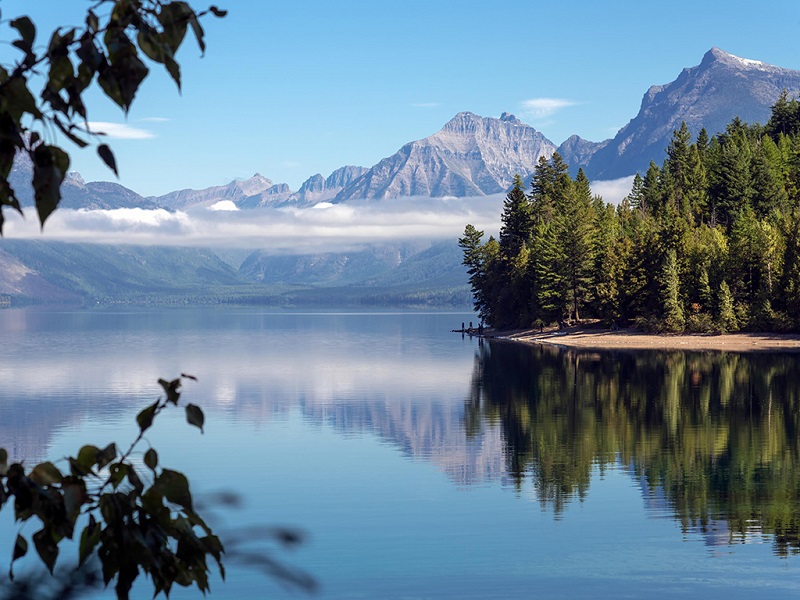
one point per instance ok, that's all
(710, 95)
(470, 156)
(474, 156)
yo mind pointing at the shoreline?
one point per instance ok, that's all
(627, 339)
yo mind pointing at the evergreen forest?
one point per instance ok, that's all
(709, 241)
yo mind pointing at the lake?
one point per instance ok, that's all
(423, 464)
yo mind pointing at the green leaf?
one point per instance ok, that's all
(171, 389)
(92, 22)
(133, 479)
(194, 416)
(46, 473)
(106, 455)
(198, 32)
(74, 498)
(61, 73)
(87, 456)
(50, 166)
(174, 69)
(90, 537)
(174, 19)
(26, 28)
(121, 77)
(20, 548)
(151, 459)
(118, 473)
(19, 99)
(108, 157)
(46, 547)
(175, 488)
(145, 418)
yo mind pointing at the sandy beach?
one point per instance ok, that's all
(633, 340)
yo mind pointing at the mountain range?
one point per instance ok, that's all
(470, 156)
(474, 156)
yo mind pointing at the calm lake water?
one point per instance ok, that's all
(421, 464)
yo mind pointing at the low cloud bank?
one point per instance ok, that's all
(324, 227)
(613, 190)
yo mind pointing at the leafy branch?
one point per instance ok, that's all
(132, 527)
(108, 51)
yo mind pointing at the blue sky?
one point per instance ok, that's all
(288, 89)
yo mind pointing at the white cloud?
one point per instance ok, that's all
(155, 119)
(613, 190)
(324, 227)
(120, 131)
(227, 205)
(542, 108)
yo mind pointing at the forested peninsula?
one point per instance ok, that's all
(707, 242)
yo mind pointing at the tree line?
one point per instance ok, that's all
(708, 241)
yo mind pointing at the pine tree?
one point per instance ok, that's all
(769, 194)
(726, 318)
(516, 219)
(731, 184)
(651, 192)
(475, 261)
(672, 309)
(575, 236)
(785, 118)
(636, 196)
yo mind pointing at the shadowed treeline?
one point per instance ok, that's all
(714, 433)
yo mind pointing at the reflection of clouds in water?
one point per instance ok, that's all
(346, 376)
(224, 392)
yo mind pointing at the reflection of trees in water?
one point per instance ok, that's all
(716, 432)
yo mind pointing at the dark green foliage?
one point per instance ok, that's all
(707, 241)
(133, 522)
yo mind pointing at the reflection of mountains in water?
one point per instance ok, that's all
(710, 436)
(432, 429)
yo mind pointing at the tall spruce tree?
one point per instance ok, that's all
(672, 308)
(575, 226)
(475, 261)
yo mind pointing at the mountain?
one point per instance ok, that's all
(237, 191)
(577, 151)
(470, 156)
(33, 271)
(317, 189)
(75, 192)
(710, 95)
(327, 268)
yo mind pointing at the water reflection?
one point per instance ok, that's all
(712, 437)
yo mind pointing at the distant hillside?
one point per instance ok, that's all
(35, 272)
